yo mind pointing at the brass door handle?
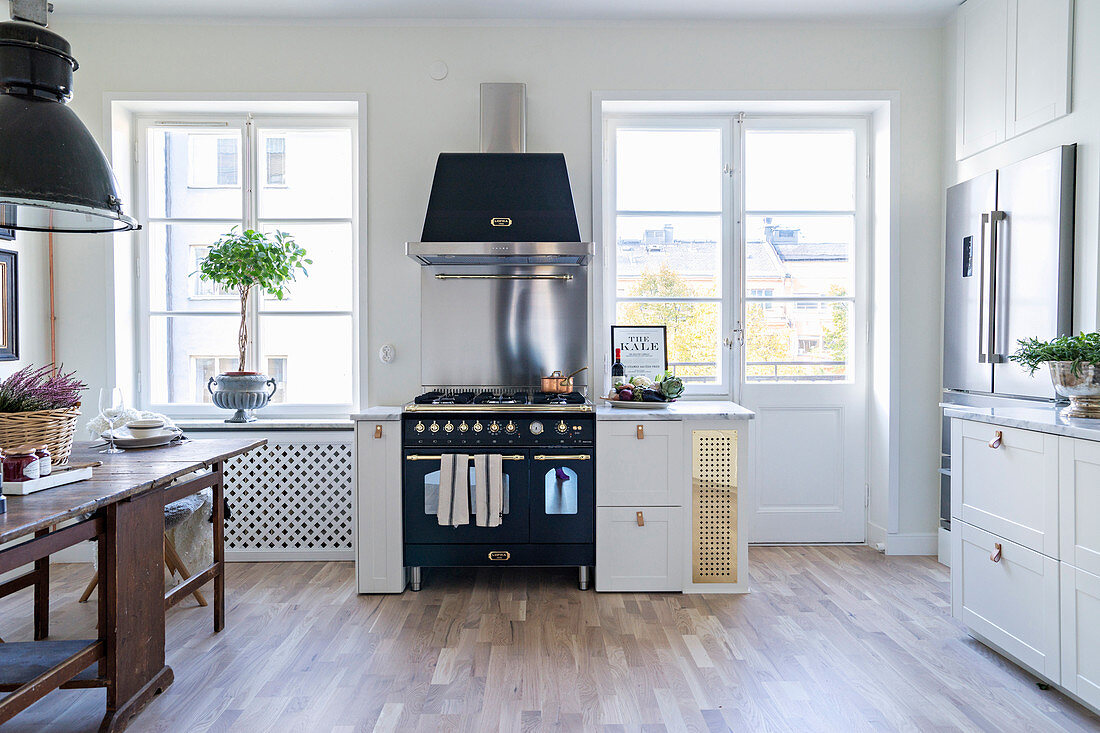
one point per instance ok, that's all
(641, 519)
(377, 432)
(641, 432)
(995, 556)
(998, 438)
(415, 457)
(576, 457)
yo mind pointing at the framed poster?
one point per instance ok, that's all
(643, 349)
(9, 307)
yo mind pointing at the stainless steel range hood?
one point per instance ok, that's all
(502, 206)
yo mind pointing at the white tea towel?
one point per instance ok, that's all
(481, 491)
(460, 514)
(496, 489)
(446, 489)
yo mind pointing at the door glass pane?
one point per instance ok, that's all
(185, 351)
(789, 256)
(431, 493)
(669, 256)
(561, 491)
(195, 173)
(306, 174)
(692, 333)
(798, 341)
(328, 284)
(800, 170)
(318, 356)
(669, 170)
(175, 250)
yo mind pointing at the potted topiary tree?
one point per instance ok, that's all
(242, 261)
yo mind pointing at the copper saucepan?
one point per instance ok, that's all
(556, 383)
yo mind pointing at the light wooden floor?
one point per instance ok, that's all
(833, 639)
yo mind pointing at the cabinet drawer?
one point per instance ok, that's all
(1013, 602)
(639, 557)
(640, 463)
(1008, 488)
(1081, 634)
(1079, 503)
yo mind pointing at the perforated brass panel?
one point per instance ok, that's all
(714, 506)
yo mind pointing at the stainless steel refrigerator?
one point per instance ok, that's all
(1009, 275)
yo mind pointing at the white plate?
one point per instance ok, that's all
(632, 405)
(125, 439)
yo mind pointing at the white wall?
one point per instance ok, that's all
(411, 118)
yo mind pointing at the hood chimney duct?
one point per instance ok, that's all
(503, 117)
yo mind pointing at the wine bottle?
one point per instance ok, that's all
(617, 369)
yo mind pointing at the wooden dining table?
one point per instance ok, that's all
(122, 508)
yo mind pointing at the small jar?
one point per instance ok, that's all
(21, 464)
(45, 460)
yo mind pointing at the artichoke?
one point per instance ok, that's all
(671, 387)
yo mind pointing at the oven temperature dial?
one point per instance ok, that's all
(448, 427)
(536, 427)
(477, 426)
(562, 427)
(494, 427)
(463, 427)
(510, 427)
(434, 427)
(419, 427)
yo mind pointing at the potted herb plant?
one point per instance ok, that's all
(242, 262)
(1074, 365)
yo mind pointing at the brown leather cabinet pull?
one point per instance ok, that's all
(995, 556)
(377, 432)
(641, 519)
(641, 432)
(998, 438)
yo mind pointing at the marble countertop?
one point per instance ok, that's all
(682, 410)
(262, 424)
(380, 412)
(1041, 419)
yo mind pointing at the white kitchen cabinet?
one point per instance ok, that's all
(1079, 500)
(379, 564)
(639, 548)
(1005, 481)
(1008, 595)
(1013, 69)
(1080, 610)
(640, 463)
(981, 75)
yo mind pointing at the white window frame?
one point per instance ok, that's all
(191, 183)
(248, 125)
(735, 298)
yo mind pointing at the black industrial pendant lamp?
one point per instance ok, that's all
(53, 176)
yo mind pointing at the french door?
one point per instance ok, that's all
(747, 238)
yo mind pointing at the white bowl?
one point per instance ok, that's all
(145, 428)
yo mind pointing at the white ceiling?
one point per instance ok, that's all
(880, 11)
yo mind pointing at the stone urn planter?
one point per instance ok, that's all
(243, 392)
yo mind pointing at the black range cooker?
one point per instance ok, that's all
(547, 448)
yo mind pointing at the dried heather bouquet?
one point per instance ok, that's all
(31, 389)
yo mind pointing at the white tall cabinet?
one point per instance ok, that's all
(1025, 565)
(1014, 69)
(379, 541)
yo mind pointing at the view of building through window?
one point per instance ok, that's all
(196, 189)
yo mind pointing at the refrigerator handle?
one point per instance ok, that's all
(983, 357)
(991, 352)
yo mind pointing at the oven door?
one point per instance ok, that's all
(563, 496)
(421, 499)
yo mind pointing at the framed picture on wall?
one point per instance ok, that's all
(7, 215)
(643, 349)
(7, 235)
(9, 306)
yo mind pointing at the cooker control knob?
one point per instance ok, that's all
(463, 427)
(419, 427)
(448, 427)
(494, 427)
(434, 427)
(510, 427)
(561, 427)
(536, 427)
(477, 426)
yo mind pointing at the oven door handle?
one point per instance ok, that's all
(575, 457)
(415, 457)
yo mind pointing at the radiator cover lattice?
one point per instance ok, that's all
(714, 506)
(290, 496)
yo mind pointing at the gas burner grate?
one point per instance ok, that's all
(552, 398)
(502, 398)
(444, 398)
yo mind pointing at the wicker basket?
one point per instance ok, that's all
(55, 428)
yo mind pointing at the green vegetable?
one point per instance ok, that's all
(1081, 349)
(671, 387)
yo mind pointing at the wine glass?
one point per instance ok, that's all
(112, 407)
